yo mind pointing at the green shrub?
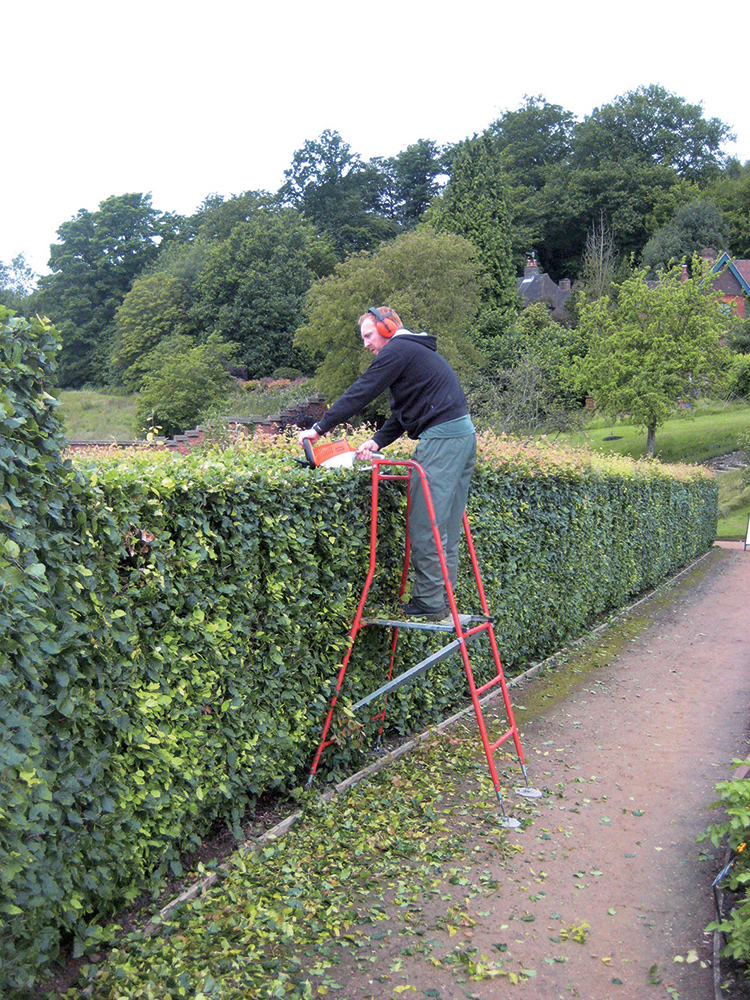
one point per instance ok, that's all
(734, 832)
(58, 730)
(738, 377)
(184, 380)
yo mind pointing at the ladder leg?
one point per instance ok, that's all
(356, 625)
(527, 791)
(324, 742)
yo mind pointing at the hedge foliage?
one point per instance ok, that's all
(172, 627)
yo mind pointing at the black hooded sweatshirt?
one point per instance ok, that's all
(423, 389)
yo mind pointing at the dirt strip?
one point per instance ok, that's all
(631, 741)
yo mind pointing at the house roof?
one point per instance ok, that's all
(739, 269)
(537, 286)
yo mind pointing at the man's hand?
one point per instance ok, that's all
(366, 450)
(312, 436)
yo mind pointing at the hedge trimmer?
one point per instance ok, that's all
(331, 455)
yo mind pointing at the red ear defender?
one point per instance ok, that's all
(385, 326)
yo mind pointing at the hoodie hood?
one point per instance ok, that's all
(425, 339)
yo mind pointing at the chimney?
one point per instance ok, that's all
(532, 268)
(564, 284)
(684, 276)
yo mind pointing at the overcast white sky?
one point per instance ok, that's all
(185, 99)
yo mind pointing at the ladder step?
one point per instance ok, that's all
(412, 672)
(444, 625)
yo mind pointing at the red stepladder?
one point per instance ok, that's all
(467, 629)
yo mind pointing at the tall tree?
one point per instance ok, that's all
(252, 285)
(655, 343)
(653, 125)
(93, 268)
(17, 282)
(334, 189)
(530, 141)
(474, 205)
(217, 216)
(731, 192)
(409, 182)
(695, 226)
(432, 280)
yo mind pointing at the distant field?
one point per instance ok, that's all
(95, 415)
(89, 415)
(734, 505)
(710, 431)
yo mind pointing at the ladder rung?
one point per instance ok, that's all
(490, 684)
(412, 672)
(503, 738)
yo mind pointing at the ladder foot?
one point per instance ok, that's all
(309, 781)
(506, 821)
(510, 823)
(528, 792)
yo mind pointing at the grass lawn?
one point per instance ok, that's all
(709, 431)
(734, 505)
(94, 415)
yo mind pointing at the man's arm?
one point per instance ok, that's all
(391, 429)
(378, 377)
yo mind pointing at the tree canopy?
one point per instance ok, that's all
(474, 205)
(94, 265)
(653, 125)
(433, 281)
(333, 188)
(252, 285)
(641, 169)
(651, 345)
(694, 227)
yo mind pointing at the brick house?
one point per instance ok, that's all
(733, 281)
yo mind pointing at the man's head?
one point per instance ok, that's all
(377, 326)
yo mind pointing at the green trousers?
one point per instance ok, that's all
(448, 463)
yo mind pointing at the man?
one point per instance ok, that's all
(427, 403)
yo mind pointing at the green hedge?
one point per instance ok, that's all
(733, 832)
(173, 628)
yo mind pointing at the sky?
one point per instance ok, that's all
(187, 99)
